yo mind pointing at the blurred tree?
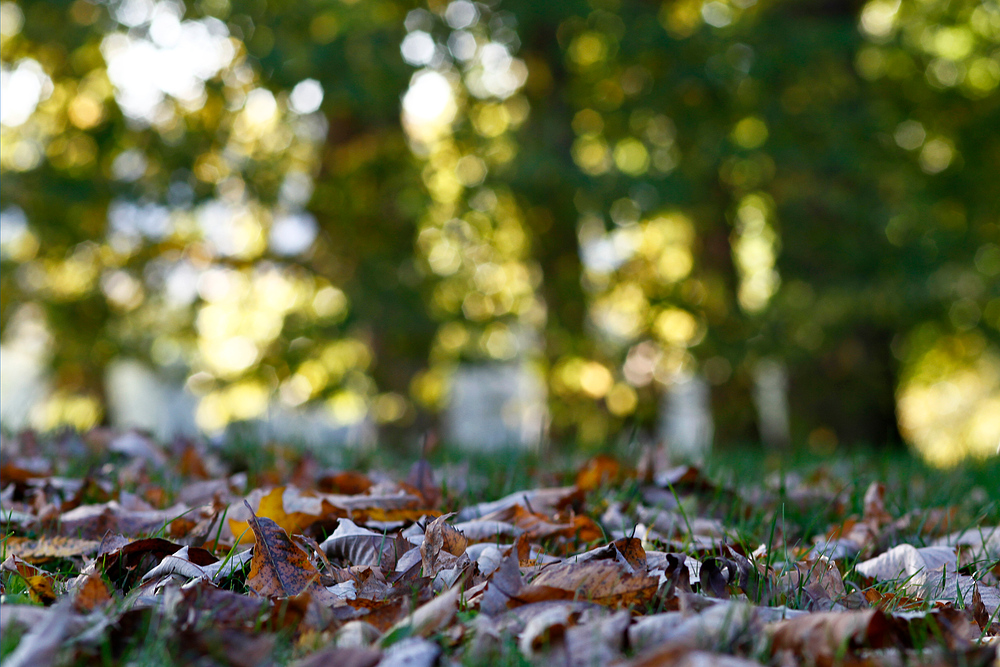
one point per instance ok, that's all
(336, 202)
(161, 193)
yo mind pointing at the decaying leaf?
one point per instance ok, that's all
(40, 583)
(560, 577)
(603, 581)
(598, 471)
(50, 547)
(442, 546)
(722, 623)
(360, 546)
(279, 568)
(824, 635)
(428, 618)
(543, 501)
(42, 643)
(89, 592)
(984, 619)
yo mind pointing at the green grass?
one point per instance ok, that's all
(10, 639)
(757, 497)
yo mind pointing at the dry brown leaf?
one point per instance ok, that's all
(430, 617)
(94, 521)
(341, 656)
(598, 471)
(279, 568)
(981, 614)
(824, 635)
(360, 546)
(442, 544)
(537, 527)
(351, 483)
(381, 614)
(11, 473)
(602, 581)
(631, 550)
(41, 644)
(90, 593)
(543, 501)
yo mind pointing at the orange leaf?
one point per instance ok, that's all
(598, 471)
(350, 483)
(631, 549)
(91, 594)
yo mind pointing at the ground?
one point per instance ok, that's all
(119, 550)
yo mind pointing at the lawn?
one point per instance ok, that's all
(118, 550)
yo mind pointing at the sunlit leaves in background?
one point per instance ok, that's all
(940, 62)
(460, 111)
(335, 205)
(203, 179)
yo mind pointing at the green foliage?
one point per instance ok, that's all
(641, 190)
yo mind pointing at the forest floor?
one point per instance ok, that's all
(118, 550)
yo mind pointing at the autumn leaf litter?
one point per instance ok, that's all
(168, 557)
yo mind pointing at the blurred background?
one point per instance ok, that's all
(729, 221)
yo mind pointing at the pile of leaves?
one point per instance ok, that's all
(150, 554)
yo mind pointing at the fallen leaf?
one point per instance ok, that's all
(187, 562)
(421, 479)
(598, 471)
(602, 581)
(360, 546)
(440, 541)
(721, 623)
(202, 603)
(347, 482)
(875, 514)
(90, 592)
(411, 652)
(825, 635)
(279, 568)
(341, 657)
(287, 507)
(125, 565)
(41, 644)
(428, 618)
(981, 614)
(504, 585)
(543, 501)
